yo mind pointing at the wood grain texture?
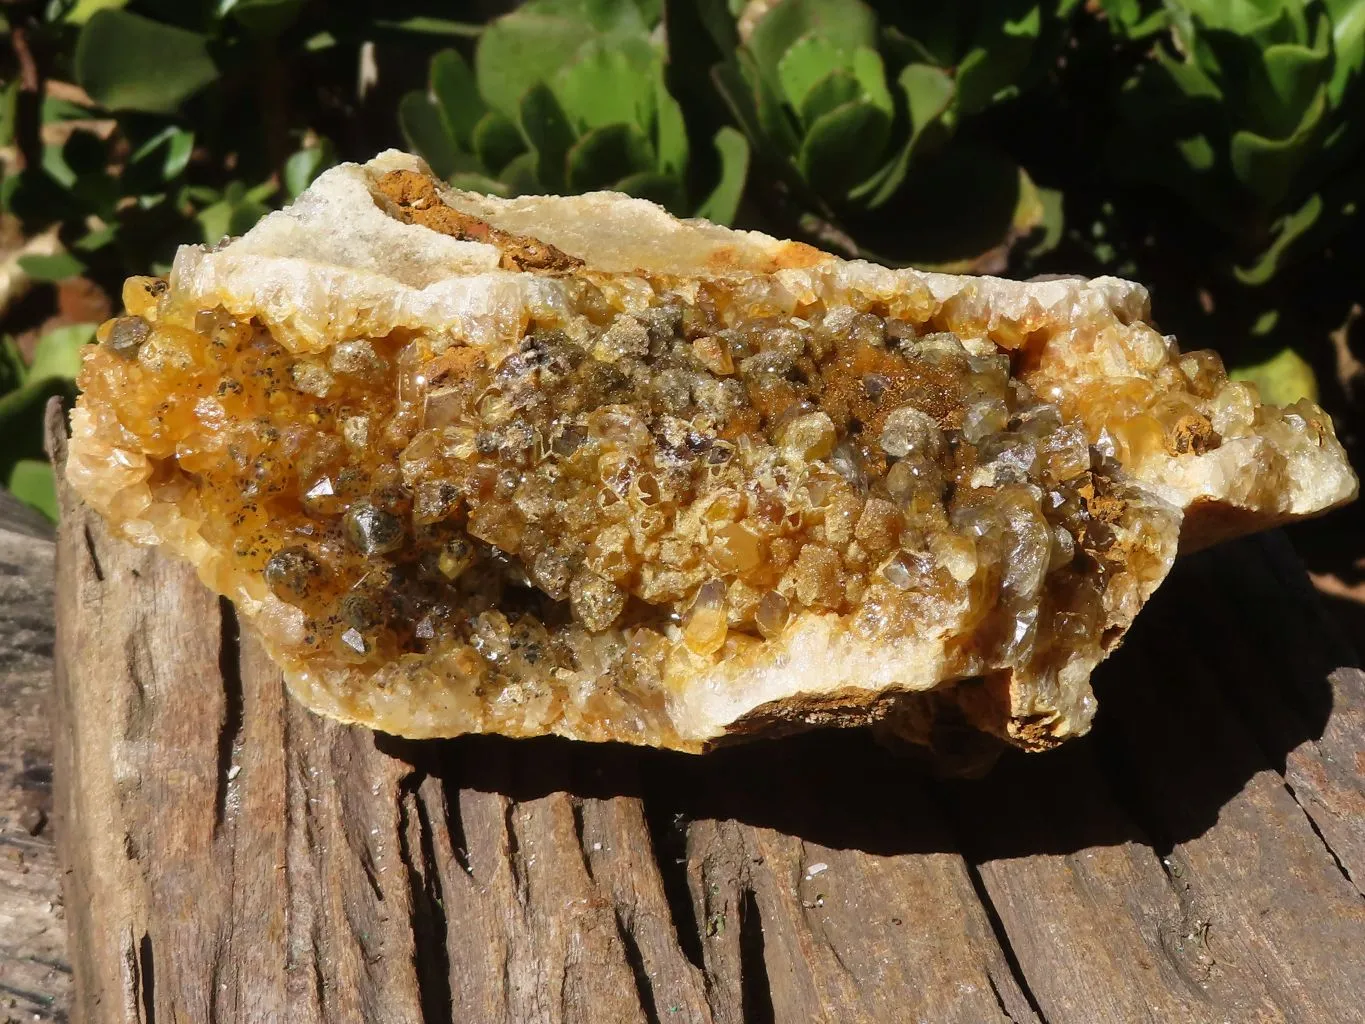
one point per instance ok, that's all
(34, 976)
(1176, 861)
(233, 858)
(1323, 767)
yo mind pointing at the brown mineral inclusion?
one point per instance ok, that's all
(568, 465)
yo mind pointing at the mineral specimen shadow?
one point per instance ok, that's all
(1204, 694)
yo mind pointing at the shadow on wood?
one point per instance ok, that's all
(1184, 679)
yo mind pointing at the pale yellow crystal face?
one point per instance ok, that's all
(641, 506)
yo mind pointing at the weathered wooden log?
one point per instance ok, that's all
(34, 977)
(232, 858)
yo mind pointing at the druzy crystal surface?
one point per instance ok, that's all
(570, 466)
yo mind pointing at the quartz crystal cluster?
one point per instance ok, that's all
(572, 466)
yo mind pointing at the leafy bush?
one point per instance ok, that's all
(1244, 113)
(1206, 147)
(566, 97)
(870, 119)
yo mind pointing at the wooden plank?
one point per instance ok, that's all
(34, 976)
(1281, 922)
(1328, 777)
(829, 888)
(1221, 650)
(234, 858)
(1090, 914)
(1299, 687)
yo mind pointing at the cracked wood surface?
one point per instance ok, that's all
(233, 858)
(34, 976)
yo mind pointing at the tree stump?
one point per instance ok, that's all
(231, 858)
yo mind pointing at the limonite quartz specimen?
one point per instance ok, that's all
(569, 465)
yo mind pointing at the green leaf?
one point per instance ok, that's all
(1266, 167)
(619, 16)
(1348, 43)
(519, 177)
(9, 99)
(871, 75)
(845, 24)
(96, 238)
(128, 62)
(32, 482)
(807, 61)
(989, 73)
(930, 45)
(606, 155)
(266, 18)
(1189, 79)
(1196, 151)
(1281, 83)
(840, 86)
(723, 202)
(1283, 379)
(427, 134)
(544, 123)
(456, 95)
(235, 213)
(178, 153)
(1133, 18)
(58, 354)
(605, 86)
(1294, 74)
(244, 217)
(1026, 26)
(179, 145)
(1051, 218)
(56, 165)
(260, 193)
(56, 267)
(83, 10)
(306, 164)
(423, 25)
(13, 369)
(14, 403)
(1286, 232)
(773, 119)
(843, 147)
(928, 93)
(497, 141)
(201, 195)
(56, 110)
(651, 11)
(523, 49)
(670, 131)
